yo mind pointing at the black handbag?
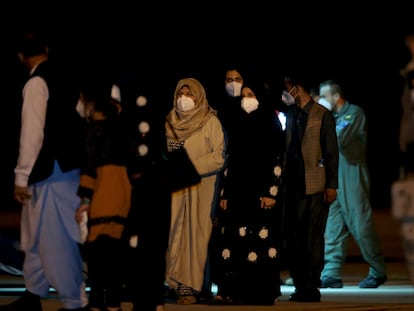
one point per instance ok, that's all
(177, 171)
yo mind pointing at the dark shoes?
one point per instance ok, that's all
(372, 282)
(26, 302)
(328, 281)
(79, 309)
(221, 300)
(204, 296)
(368, 282)
(170, 294)
(308, 295)
(30, 301)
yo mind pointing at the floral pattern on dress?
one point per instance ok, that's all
(225, 253)
(143, 150)
(272, 252)
(143, 127)
(263, 233)
(277, 170)
(252, 257)
(274, 190)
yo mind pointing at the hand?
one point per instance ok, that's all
(266, 202)
(133, 241)
(223, 204)
(330, 195)
(79, 211)
(21, 194)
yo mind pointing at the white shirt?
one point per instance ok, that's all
(35, 97)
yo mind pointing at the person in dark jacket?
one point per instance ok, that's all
(46, 181)
(148, 222)
(310, 181)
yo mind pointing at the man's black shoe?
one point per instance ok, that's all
(28, 301)
(309, 295)
(204, 297)
(170, 294)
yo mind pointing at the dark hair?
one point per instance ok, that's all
(300, 79)
(32, 43)
(97, 89)
(260, 88)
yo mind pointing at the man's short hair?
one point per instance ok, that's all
(32, 43)
(302, 79)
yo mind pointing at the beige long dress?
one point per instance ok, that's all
(191, 208)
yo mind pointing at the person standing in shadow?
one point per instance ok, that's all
(46, 181)
(310, 180)
(247, 246)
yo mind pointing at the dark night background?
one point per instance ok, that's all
(361, 49)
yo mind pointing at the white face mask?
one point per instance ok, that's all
(116, 93)
(81, 109)
(249, 104)
(233, 89)
(287, 98)
(325, 103)
(185, 103)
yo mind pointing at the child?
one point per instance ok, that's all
(105, 192)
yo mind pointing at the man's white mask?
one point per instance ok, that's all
(233, 89)
(287, 98)
(323, 102)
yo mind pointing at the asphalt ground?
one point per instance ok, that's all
(396, 294)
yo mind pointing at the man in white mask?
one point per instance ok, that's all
(323, 102)
(351, 213)
(287, 98)
(233, 83)
(310, 173)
